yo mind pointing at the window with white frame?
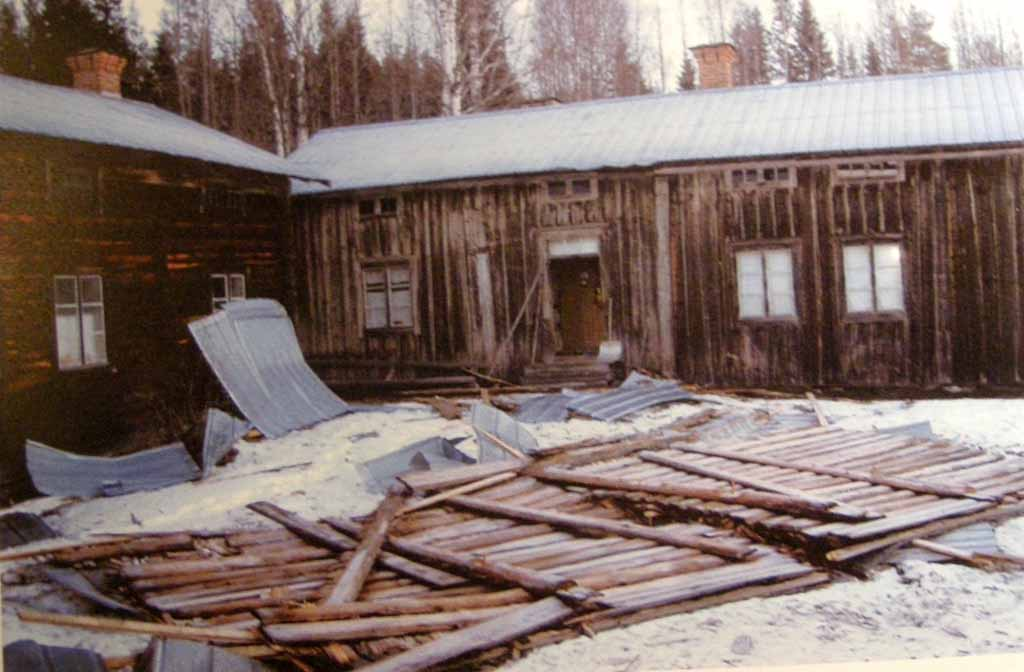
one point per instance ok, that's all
(378, 207)
(869, 171)
(765, 281)
(388, 294)
(226, 287)
(763, 177)
(873, 273)
(575, 189)
(80, 325)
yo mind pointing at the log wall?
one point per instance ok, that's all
(958, 221)
(154, 231)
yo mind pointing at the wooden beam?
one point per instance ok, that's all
(875, 479)
(461, 490)
(954, 553)
(350, 583)
(393, 607)
(336, 542)
(663, 276)
(375, 627)
(761, 500)
(601, 526)
(504, 445)
(820, 414)
(421, 481)
(504, 628)
(201, 634)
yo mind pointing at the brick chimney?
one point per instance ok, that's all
(717, 65)
(97, 71)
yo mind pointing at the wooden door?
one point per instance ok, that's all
(579, 304)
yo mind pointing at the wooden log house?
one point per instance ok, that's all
(118, 223)
(854, 233)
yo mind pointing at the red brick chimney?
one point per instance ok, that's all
(97, 71)
(716, 63)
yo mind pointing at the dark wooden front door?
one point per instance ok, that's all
(579, 304)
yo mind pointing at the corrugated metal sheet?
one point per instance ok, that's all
(252, 347)
(429, 454)
(544, 408)
(28, 656)
(221, 432)
(949, 109)
(81, 586)
(501, 425)
(55, 472)
(174, 655)
(20, 528)
(626, 400)
(60, 112)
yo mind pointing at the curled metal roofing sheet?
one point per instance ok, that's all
(429, 454)
(544, 408)
(28, 655)
(901, 112)
(220, 434)
(20, 528)
(61, 112)
(499, 424)
(630, 399)
(56, 472)
(252, 348)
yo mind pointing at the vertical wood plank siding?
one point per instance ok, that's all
(958, 222)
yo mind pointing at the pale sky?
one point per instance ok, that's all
(855, 15)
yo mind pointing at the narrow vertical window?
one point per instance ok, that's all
(874, 278)
(388, 293)
(376, 298)
(764, 279)
(80, 321)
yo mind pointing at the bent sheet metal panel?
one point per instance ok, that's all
(18, 528)
(626, 400)
(493, 421)
(175, 655)
(28, 655)
(430, 454)
(252, 347)
(220, 434)
(55, 472)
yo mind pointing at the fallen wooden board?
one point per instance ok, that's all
(504, 628)
(429, 480)
(199, 634)
(393, 607)
(461, 490)
(373, 627)
(589, 525)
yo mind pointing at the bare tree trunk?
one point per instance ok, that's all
(445, 17)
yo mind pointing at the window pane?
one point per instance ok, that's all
(218, 287)
(888, 277)
(557, 189)
(237, 287)
(857, 274)
(779, 270)
(887, 256)
(92, 289)
(94, 337)
(581, 187)
(69, 340)
(401, 307)
(65, 291)
(374, 279)
(389, 206)
(376, 308)
(399, 275)
(366, 208)
(750, 280)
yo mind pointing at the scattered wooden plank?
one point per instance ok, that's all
(350, 583)
(604, 452)
(954, 553)
(340, 543)
(70, 552)
(602, 526)
(461, 490)
(425, 481)
(929, 530)
(374, 627)
(393, 607)
(511, 450)
(897, 482)
(504, 628)
(101, 624)
(535, 582)
(822, 420)
(759, 500)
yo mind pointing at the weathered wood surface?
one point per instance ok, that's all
(359, 566)
(393, 607)
(223, 635)
(600, 526)
(372, 627)
(424, 481)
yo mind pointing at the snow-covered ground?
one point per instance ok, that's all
(927, 610)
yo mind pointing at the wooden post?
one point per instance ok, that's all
(663, 275)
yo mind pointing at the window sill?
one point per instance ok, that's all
(83, 368)
(770, 321)
(888, 316)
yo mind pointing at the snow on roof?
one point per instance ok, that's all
(60, 112)
(948, 109)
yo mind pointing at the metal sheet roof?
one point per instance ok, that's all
(948, 109)
(60, 112)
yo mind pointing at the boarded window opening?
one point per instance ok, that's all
(378, 207)
(80, 323)
(388, 296)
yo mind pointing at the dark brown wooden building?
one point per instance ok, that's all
(118, 223)
(854, 233)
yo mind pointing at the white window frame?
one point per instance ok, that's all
(868, 172)
(768, 293)
(391, 287)
(873, 280)
(568, 187)
(378, 207)
(80, 359)
(749, 178)
(230, 293)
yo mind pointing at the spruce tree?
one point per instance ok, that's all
(812, 58)
(687, 80)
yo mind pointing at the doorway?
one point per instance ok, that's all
(579, 304)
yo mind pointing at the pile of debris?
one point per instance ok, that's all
(478, 562)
